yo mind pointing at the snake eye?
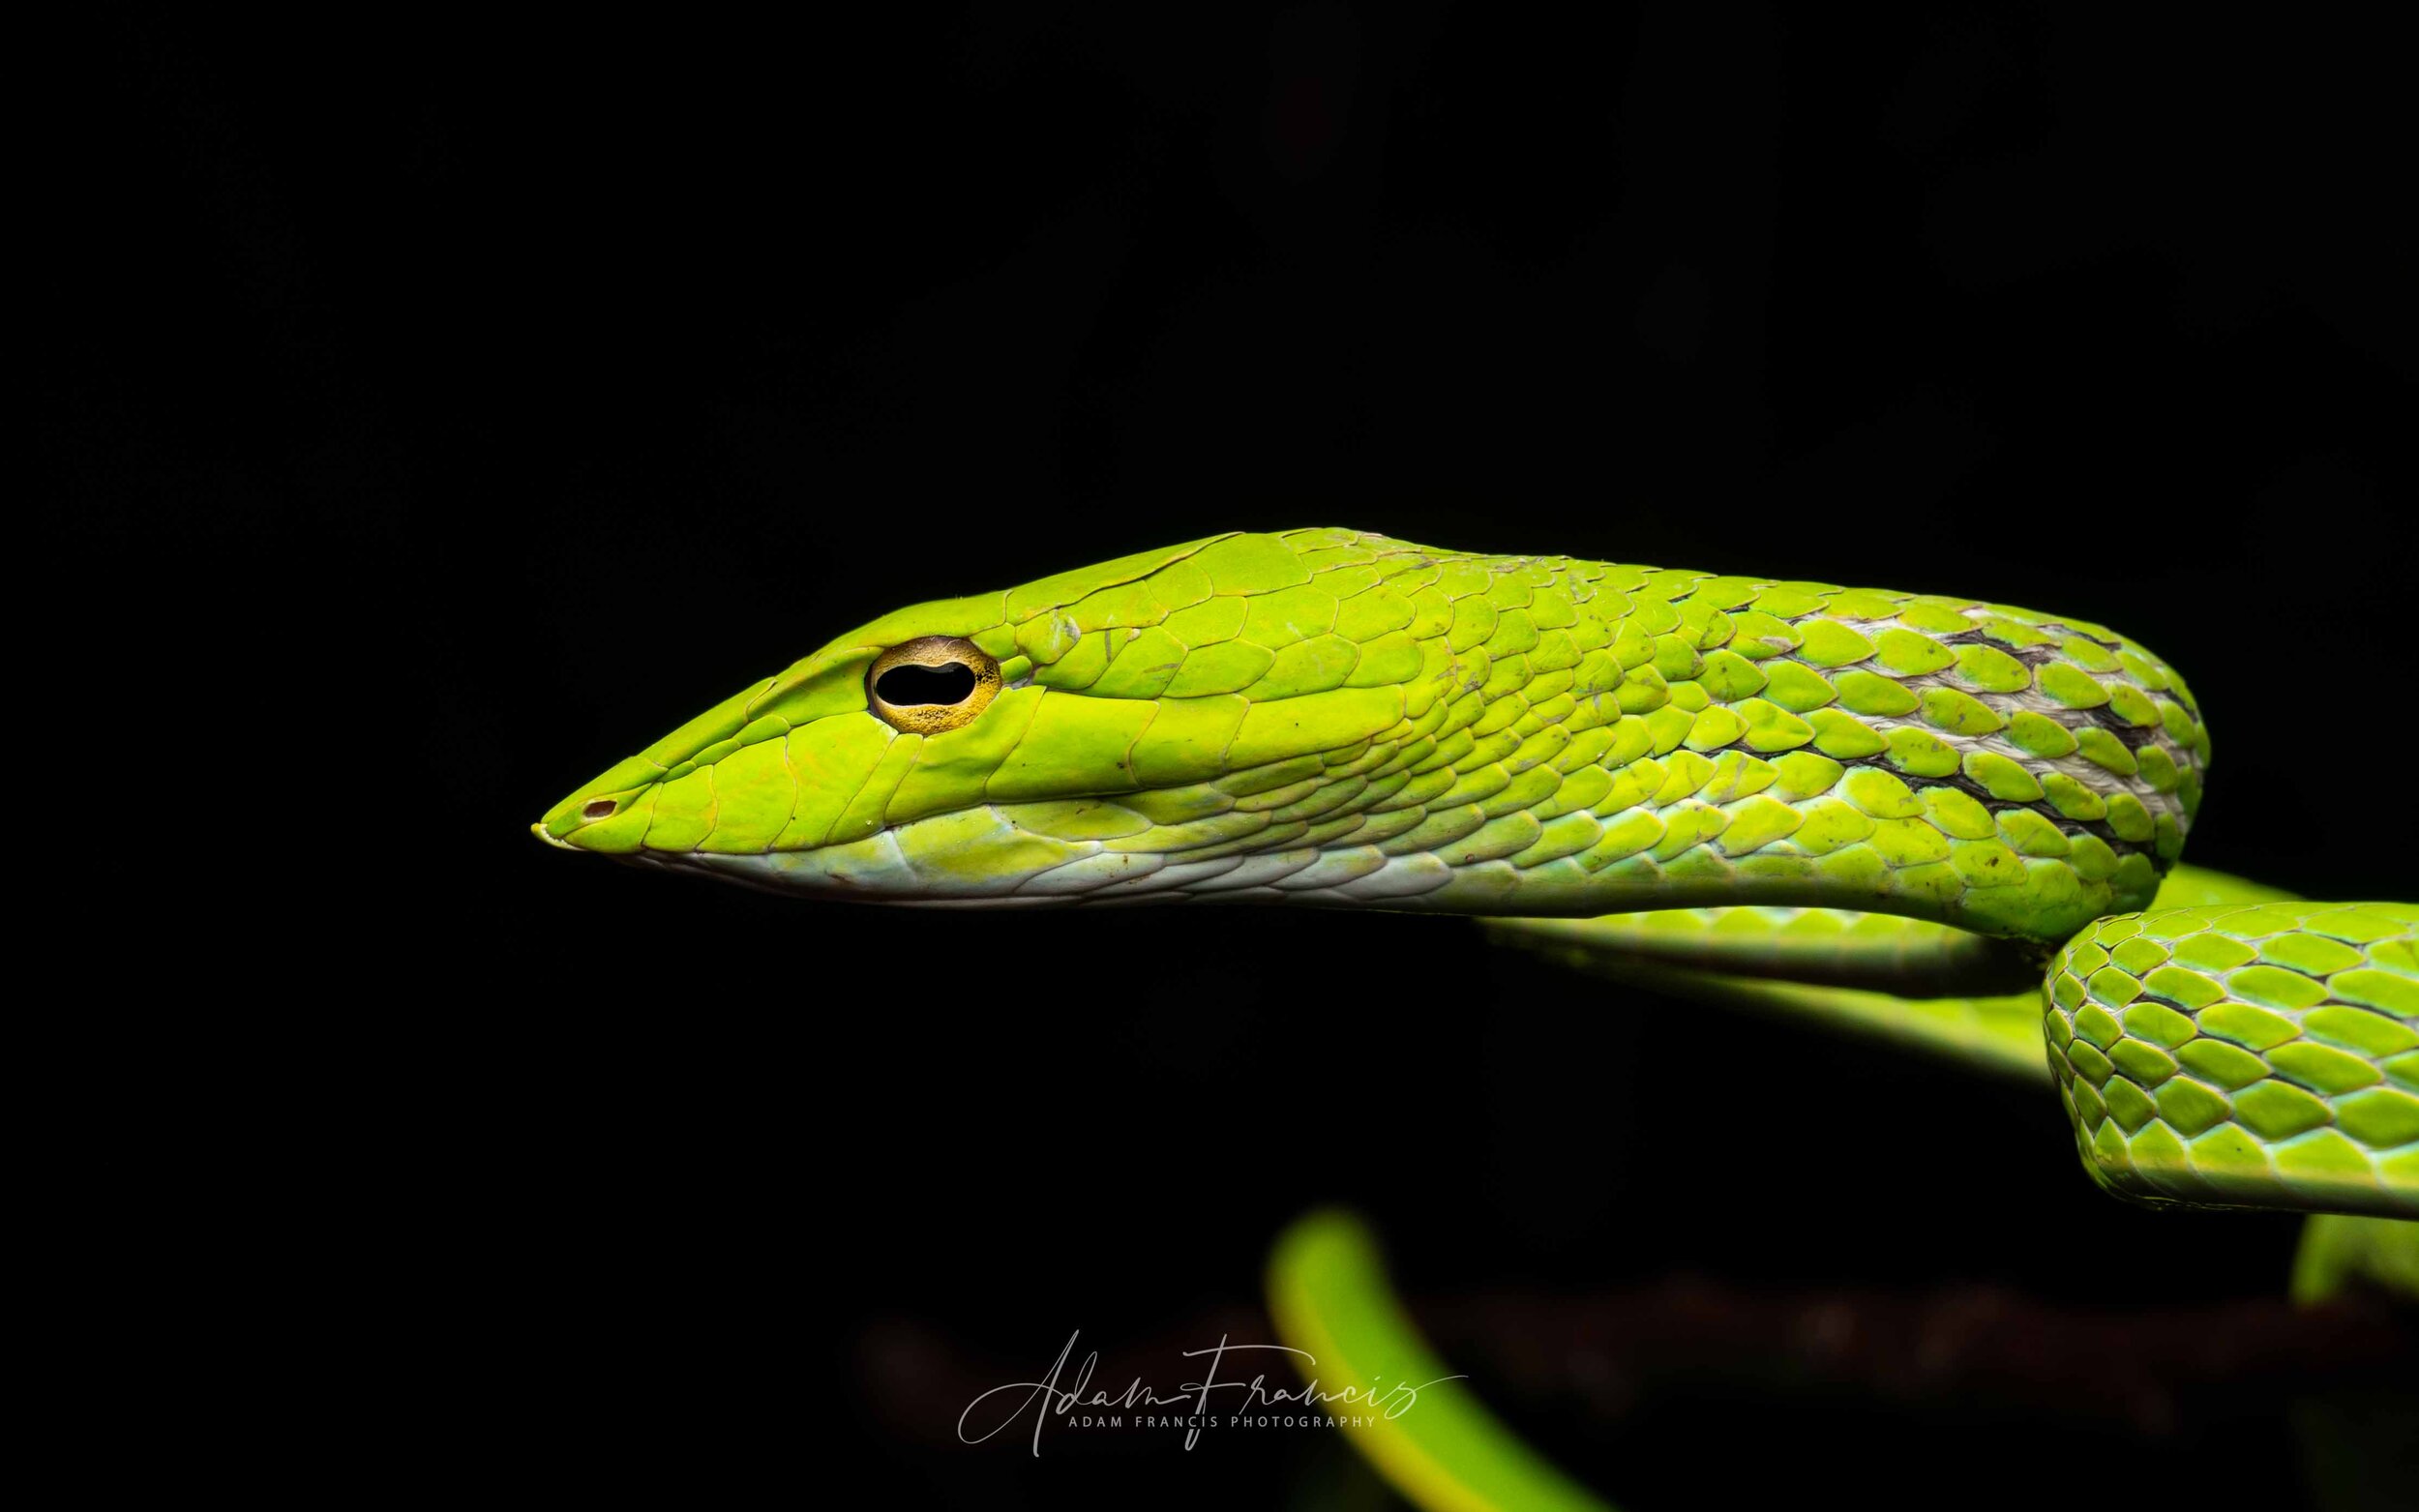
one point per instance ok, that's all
(931, 685)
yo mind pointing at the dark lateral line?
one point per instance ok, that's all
(2134, 736)
(2042, 806)
(2031, 656)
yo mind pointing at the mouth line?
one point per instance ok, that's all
(824, 889)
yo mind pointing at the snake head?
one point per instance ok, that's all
(1049, 742)
(1323, 715)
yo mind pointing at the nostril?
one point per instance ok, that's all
(601, 808)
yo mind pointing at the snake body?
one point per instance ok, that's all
(1332, 717)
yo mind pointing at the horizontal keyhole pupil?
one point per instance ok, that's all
(912, 684)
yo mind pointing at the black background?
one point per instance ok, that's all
(448, 409)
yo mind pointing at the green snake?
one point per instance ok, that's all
(1953, 824)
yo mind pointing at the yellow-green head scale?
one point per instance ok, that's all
(1331, 717)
